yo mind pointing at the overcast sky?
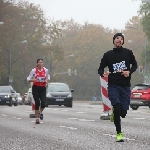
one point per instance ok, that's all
(109, 13)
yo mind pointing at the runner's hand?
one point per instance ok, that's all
(35, 80)
(106, 73)
(126, 73)
(46, 81)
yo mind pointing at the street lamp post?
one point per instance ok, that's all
(67, 56)
(145, 57)
(10, 59)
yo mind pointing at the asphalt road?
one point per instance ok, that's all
(77, 128)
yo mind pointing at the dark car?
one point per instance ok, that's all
(59, 94)
(140, 96)
(7, 96)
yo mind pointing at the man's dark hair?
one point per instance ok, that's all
(39, 60)
(118, 34)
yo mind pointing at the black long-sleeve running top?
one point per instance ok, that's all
(117, 60)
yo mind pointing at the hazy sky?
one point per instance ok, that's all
(109, 13)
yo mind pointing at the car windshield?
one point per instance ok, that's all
(4, 89)
(143, 87)
(58, 88)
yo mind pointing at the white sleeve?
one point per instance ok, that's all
(47, 74)
(31, 75)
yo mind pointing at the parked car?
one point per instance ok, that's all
(7, 96)
(59, 94)
(19, 98)
(140, 96)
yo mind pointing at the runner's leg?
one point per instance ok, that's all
(43, 101)
(35, 92)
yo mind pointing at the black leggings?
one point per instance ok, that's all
(118, 112)
(39, 95)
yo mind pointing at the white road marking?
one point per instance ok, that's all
(64, 110)
(3, 115)
(80, 112)
(55, 109)
(72, 128)
(72, 118)
(135, 111)
(34, 121)
(89, 120)
(81, 119)
(139, 118)
(18, 118)
(130, 139)
(85, 120)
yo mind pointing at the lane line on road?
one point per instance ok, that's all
(80, 112)
(34, 121)
(139, 118)
(3, 115)
(80, 119)
(85, 120)
(72, 128)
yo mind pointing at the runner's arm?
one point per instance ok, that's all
(103, 64)
(30, 78)
(133, 62)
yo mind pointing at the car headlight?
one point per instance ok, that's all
(48, 95)
(7, 96)
(13, 99)
(70, 95)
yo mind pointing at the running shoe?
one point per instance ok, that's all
(41, 116)
(37, 121)
(119, 137)
(112, 115)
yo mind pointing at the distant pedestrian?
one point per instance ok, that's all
(118, 62)
(40, 77)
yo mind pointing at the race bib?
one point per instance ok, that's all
(41, 79)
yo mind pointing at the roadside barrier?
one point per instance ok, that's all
(33, 105)
(106, 102)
